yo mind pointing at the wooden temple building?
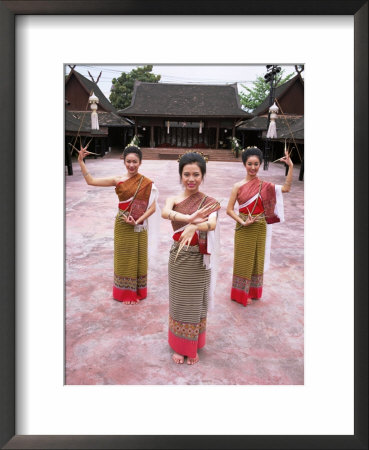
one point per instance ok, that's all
(185, 115)
(167, 117)
(113, 129)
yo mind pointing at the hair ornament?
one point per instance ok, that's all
(246, 148)
(206, 159)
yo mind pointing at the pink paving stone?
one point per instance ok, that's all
(111, 343)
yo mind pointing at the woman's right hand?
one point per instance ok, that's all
(128, 219)
(249, 220)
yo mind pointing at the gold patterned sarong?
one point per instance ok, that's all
(130, 246)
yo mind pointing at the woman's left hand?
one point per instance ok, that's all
(202, 214)
(199, 220)
(286, 159)
(82, 153)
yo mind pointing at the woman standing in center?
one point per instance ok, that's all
(193, 215)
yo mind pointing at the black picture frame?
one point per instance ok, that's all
(8, 11)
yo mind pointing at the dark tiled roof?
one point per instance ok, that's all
(279, 91)
(90, 86)
(185, 100)
(259, 123)
(106, 119)
(256, 123)
(73, 121)
(297, 129)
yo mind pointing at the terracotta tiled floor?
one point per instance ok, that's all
(111, 343)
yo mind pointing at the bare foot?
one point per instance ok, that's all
(249, 301)
(129, 303)
(178, 359)
(192, 361)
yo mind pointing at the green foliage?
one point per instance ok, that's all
(235, 146)
(122, 89)
(260, 90)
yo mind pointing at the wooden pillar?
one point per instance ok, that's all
(96, 147)
(233, 131)
(135, 129)
(152, 142)
(217, 137)
(68, 159)
(301, 173)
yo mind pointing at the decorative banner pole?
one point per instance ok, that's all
(270, 77)
(93, 100)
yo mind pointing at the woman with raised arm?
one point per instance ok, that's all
(194, 218)
(137, 203)
(260, 203)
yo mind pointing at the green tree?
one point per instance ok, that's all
(122, 89)
(260, 90)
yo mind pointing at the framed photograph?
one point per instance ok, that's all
(38, 410)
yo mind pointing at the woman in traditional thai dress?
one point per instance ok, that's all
(137, 203)
(194, 217)
(260, 204)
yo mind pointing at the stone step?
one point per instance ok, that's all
(173, 153)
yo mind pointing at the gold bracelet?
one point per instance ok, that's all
(208, 225)
(169, 215)
(85, 174)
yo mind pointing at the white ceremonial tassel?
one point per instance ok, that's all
(168, 126)
(93, 100)
(272, 130)
(201, 125)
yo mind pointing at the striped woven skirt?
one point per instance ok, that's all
(189, 283)
(248, 264)
(130, 262)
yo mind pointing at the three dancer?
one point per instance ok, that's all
(193, 216)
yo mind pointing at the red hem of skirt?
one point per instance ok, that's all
(125, 295)
(255, 292)
(242, 297)
(239, 296)
(185, 346)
